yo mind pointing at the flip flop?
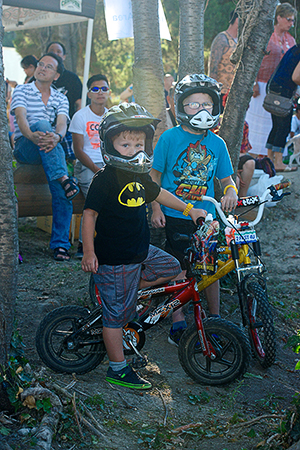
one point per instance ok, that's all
(69, 185)
(287, 169)
(61, 254)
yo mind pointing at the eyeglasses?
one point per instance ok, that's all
(196, 105)
(290, 20)
(47, 67)
(96, 89)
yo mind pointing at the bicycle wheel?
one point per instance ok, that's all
(261, 327)
(233, 353)
(61, 349)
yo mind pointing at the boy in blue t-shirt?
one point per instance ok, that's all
(186, 160)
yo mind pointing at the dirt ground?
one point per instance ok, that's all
(131, 420)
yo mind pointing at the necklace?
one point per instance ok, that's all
(282, 41)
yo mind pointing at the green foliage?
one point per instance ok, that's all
(44, 404)
(216, 19)
(4, 431)
(251, 433)
(294, 342)
(269, 403)
(96, 400)
(202, 398)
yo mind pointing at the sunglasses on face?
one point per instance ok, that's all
(290, 20)
(96, 89)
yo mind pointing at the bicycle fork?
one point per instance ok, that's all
(199, 314)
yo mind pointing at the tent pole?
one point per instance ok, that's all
(87, 60)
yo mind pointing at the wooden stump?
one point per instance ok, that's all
(34, 196)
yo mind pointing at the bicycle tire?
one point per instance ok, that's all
(261, 327)
(51, 342)
(233, 353)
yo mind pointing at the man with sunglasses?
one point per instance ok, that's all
(86, 143)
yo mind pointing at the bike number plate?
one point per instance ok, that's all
(245, 236)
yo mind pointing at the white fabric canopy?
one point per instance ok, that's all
(25, 14)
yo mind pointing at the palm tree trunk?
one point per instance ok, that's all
(8, 224)
(248, 56)
(191, 47)
(148, 74)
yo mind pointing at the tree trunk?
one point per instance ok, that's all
(67, 35)
(249, 53)
(191, 27)
(148, 73)
(8, 224)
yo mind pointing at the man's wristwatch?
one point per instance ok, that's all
(60, 136)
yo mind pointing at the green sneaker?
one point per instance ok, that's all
(127, 378)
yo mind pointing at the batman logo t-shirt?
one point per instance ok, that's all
(120, 197)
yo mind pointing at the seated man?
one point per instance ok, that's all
(40, 117)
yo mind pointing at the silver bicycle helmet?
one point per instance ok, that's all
(191, 84)
(123, 117)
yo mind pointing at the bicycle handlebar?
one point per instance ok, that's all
(250, 201)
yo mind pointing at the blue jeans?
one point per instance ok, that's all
(54, 164)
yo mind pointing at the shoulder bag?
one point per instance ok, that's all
(275, 103)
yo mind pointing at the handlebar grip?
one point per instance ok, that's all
(200, 220)
(284, 185)
(248, 201)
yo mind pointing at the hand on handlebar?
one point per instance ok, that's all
(195, 213)
(229, 201)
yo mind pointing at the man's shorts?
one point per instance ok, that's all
(119, 285)
(243, 159)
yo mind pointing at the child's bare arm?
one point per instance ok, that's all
(229, 200)
(158, 218)
(169, 200)
(89, 261)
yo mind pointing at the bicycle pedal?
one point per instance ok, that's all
(138, 363)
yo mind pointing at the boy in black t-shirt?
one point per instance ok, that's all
(121, 257)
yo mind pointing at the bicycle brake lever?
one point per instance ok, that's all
(276, 197)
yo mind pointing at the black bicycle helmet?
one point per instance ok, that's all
(191, 84)
(123, 117)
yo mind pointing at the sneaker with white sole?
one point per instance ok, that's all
(127, 377)
(174, 336)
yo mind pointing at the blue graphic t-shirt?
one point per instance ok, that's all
(188, 165)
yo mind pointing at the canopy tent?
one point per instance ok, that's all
(25, 14)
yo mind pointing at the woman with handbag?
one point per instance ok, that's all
(280, 42)
(284, 83)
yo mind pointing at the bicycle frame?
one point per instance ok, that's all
(182, 293)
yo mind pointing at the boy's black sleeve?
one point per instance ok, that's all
(96, 194)
(152, 189)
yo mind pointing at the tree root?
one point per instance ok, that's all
(50, 420)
